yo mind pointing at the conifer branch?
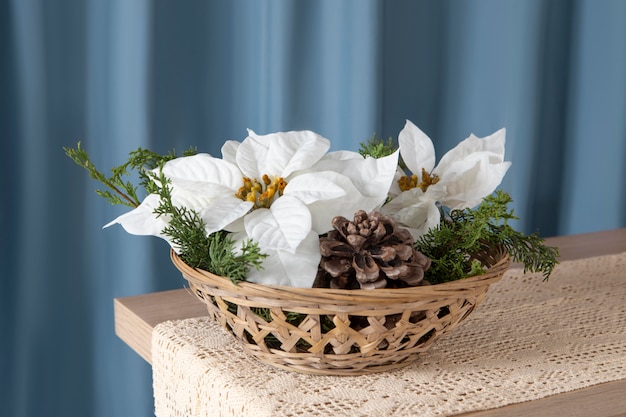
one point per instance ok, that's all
(127, 197)
(216, 252)
(377, 148)
(463, 233)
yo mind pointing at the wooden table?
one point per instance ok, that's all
(136, 317)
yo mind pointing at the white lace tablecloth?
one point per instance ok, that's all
(528, 340)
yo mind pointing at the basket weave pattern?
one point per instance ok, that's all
(340, 332)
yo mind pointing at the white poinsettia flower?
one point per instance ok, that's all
(306, 189)
(201, 183)
(281, 218)
(463, 177)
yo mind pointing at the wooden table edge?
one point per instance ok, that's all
(136, 317)
(601, 400)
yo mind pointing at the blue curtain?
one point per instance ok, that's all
(121, 74)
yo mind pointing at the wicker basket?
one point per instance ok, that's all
(340, 332)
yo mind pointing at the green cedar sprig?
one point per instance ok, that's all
(464, 233)
(120, 190)
(215, 252)
(377, 148)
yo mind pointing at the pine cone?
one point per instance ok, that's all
(369, 252)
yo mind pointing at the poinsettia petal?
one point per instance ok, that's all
(201, 189)
(492, 145)
(191, 200)
(342, 155)
(297, 269)
(415, 210)
(221, 213)
(203, 168)
(300, 150)
(312, 187)
(428, 216)
(142, 220)
(251, 155)
(372, 176)
(282, 226)
(236, 226)
(323, 211)
(229, 151)
(280, 154)
(468, 181)
(394, 189)
(416, 148)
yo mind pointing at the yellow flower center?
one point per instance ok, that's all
(263, 193)
(408, 183)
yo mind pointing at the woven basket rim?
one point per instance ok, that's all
(245, 288)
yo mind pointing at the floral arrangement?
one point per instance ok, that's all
(280, 209)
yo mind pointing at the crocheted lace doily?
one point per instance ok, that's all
(528, 340)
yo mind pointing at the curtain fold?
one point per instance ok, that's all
(267, 66)
(594, 188)
(118, 75)
(117, 114)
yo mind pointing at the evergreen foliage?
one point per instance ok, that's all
(377, 148)
(463, 233)
(120, 189)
